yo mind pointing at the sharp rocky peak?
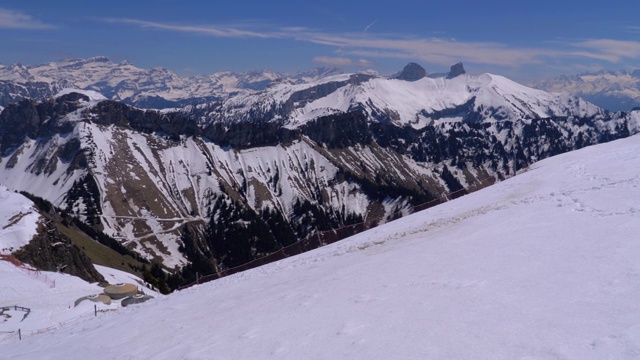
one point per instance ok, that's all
(412, 72)
(456, 70)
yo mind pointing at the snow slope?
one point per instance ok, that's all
(50, 305)
(50, 297)
(18, 221)
(541, 266)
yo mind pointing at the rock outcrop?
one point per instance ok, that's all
(50, 250)
(412, 72)
(456, 70)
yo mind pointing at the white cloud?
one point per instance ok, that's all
(432, 50)
(342, 62)
(10, 19)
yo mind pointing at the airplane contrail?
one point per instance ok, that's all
(370, 25)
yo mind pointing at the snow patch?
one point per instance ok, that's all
(92, 95)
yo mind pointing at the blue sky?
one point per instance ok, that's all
(519, 39)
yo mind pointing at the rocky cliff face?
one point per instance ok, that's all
(32, 119)
(50, 250)
(456, 70)
(412, 72)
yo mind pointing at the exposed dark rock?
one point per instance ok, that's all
(33, 120)
(111, 112)
(86, 191)
(322, 90)
(50, 250)
(412, 72)
(456, 70)
(158, 102)
(339, 131)
(243, 135)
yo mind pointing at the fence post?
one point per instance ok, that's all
(19, 335)
(95, 310)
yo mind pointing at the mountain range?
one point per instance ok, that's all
(159, 88)
(147, 88)
(242, 173)
(611, 90)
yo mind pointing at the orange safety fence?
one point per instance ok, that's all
(28, 270)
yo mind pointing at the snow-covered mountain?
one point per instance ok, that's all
(273, 166)
(149, 178)
(147, 88)
(416, 103)
(541, 266)
(612, 90)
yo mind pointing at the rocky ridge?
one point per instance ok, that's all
(205, 187)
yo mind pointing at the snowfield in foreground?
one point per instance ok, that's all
(542, 266)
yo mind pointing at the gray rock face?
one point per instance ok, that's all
(50, 250)
(456, 70)
(32, 119)
(412, 72)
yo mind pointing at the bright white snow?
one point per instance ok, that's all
(93, 95)
(541, 266)
(416, 103)
(18, 221)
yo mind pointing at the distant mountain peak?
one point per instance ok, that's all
(80, 61)
(456, 70)
(412, 72)
(99, 59)
(612, 90)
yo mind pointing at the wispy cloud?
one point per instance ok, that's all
(341, 62)
(432, 50)
(608, 49)
(217, 31)
(10, 19)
